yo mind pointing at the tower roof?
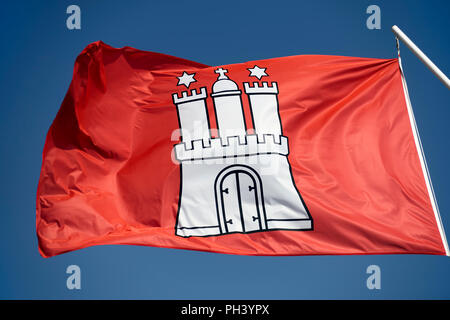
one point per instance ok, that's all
(223, 83)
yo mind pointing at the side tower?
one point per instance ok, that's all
(192, 115)
(264, 107)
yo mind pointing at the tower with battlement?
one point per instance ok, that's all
(264, 107)
(236, 182)
(192, 115)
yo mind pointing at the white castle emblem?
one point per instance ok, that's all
(237, 182)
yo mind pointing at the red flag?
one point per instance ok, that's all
(298, 155)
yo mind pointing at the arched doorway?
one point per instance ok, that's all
(239, 200)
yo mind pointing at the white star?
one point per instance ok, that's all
(258, 72)
(186, 79)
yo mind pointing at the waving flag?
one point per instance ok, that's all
(298, 155)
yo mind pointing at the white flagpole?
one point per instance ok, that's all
(419, 54)
(417, 141)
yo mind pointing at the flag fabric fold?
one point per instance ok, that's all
(299, 155)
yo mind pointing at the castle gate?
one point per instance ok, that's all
(240, 202)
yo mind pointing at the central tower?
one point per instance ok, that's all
(228, 106)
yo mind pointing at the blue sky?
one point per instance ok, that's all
(37, 57)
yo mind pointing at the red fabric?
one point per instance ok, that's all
(107, 176)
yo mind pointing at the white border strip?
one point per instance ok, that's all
(422, 159)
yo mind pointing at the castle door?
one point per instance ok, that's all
(240, 205)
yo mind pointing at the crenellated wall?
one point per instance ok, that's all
(233, 146)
